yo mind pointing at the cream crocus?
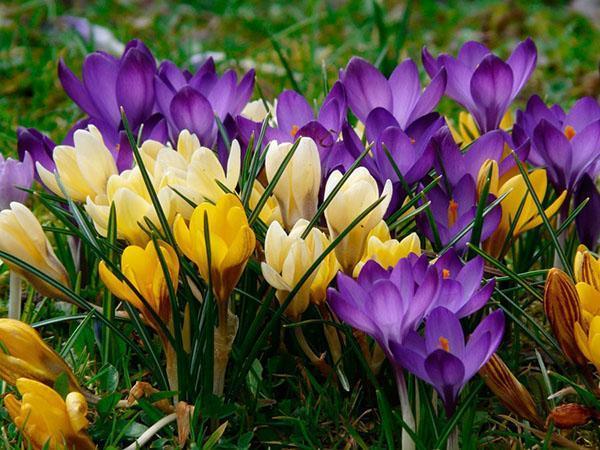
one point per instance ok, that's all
(357, 194)
(297, 191)
(132, 205)
(270, 211)
(287, 259)
(529, 218)
(83, 169)
(27, 355)
(255, 111)
(385, 250)
(22, 236)
(46, 420)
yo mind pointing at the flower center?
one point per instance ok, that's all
(452, 212)
(569, 132)
(444, 344)
(294, 131)
(445, 274)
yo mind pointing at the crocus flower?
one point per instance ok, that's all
(28, 356)
(22, 236)
(518, 194)
(358, 193)
(400, 95)
(294, 118)
(467, 130)
(513, 395)
(232, 241)
(109, 83)
(483, 83)
(191, 101)
(14, 175)
(563, 311)
(442, 358)
(454, 211)
(585, 220)
(297, 190)
(289, 256)
(46, 420)
(133, 205)
(385, 250)
(83, 169)
(587, 277)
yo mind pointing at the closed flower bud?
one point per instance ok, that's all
(562, 308)
(22, 236)
(570, 415)
(232, 241)
(26, 355)
(82, 169)
(587, 268)
(513, 395)
(358, 193)
(297, 190)
(46, 420)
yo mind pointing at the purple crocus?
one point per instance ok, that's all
(37, 145)
(400, 95)
(15, 174)
(482, 82)
(568, 146)
(191, 101)
(109, 83)
(453, 209)
(442, 358)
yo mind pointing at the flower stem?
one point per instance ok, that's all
(150, 432)
(224, 337)
(407, 414)
(318, 362)
(452, 442)
(14, 296)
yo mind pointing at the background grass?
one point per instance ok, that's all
(291, 44)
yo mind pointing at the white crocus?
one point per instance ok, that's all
(297, 190)
(83, 169)
(358, 192)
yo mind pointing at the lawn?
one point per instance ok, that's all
(167, 312)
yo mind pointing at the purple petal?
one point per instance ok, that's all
(486, 147)
(490, 88)
(100, 72)
(405, 89)
(586, 220)
(446, 373)
(430, 97)
(243, 93)
(378, 120)
(586, 149)
(443, 327)
(472, 53)
(583, 112)
(223, 94)
(494, 325)
(477, 301)
(458, 78)
(293, 111)
(75, 89)
(37, 145)
(432, 65)
(556, 151)
(366, 87)
(135, 86)
(522, 62)
(476, 354)
(191, 111)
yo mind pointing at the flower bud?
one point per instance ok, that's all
(570, 415)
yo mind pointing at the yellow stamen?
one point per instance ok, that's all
(452, 212)
(569, 132)
(294, 131)
(444, 344)
(445, 274)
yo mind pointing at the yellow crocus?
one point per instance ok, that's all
(467, 128)
(142, 268)
(358, 193)
(132, 205)
(48, 421)
(297, 190)
(589, 343)
(232, 241)
(25, 354)
(289, 256)
(387, 251)
(83, 169)
(587, 276)
(529, 218)
(22, 236)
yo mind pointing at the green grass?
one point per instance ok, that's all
(281, 401)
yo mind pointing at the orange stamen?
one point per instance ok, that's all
(294, 131)
(445, 274)
(444, 344)
(569, 132)
(452, 212)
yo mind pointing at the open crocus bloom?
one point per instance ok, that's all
(483, 83)
(46, 420)
(589, 342)
(442, 357)
(400, 95)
